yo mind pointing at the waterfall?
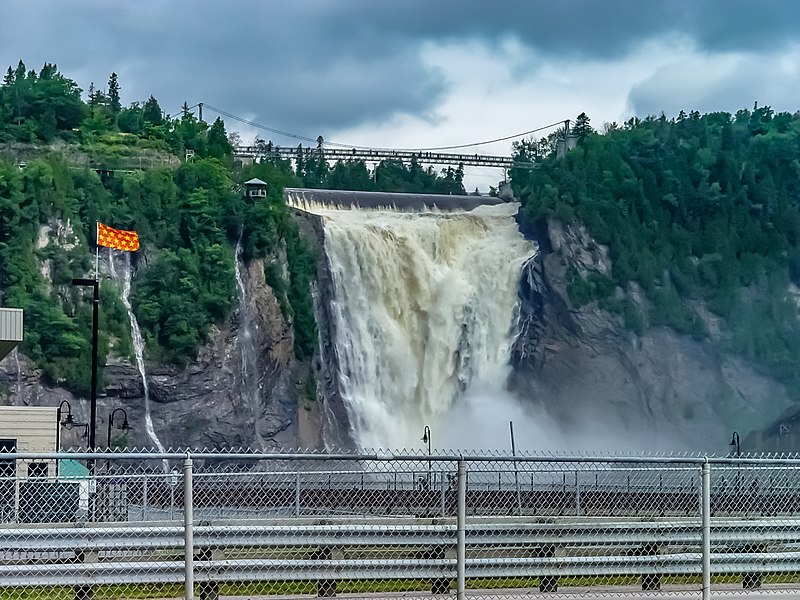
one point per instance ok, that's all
(138, 349)
(250, 379)
(18, 399)
(423, 305)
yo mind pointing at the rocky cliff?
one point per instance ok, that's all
(599, 383)
(204, 404)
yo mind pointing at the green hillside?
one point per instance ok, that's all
(701, 211)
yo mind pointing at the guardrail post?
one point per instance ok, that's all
(85, 592)
(650, 581)
(461, 530)
(549, 583)
(705, 511)
(188, 530)
(326, 588)
(209, 590)
(753, 580)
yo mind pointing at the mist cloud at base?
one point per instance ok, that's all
(479, 421)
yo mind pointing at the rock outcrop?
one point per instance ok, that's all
(599, 382)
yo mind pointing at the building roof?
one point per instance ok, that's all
(255, 181)
(72, 468)
(10, 329)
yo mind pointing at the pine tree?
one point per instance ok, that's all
(152, 112)
(113, 94)
(582, 127)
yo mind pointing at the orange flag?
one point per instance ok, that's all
(127, 241)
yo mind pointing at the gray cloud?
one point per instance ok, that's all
(726, 83)
(316, 66)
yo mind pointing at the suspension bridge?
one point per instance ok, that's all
(370, 155)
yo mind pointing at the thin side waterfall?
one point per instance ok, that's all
(138, 349)
(18, 394)
(424, 309)
(250, 380)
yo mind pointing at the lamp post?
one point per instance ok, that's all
(68, 422)
(737, 447)
(95, 285)
(516, 470)
(426, 439)
(124, 427)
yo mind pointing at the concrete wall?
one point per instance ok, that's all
(297, 197)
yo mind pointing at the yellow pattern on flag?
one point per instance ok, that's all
(127, 241)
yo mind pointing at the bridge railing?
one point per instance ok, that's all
(244, 524)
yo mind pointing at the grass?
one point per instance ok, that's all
(306, 588)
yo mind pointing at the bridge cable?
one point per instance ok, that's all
(340, 145)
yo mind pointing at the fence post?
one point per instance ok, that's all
(144, 498)
(461, 530)
(297, 494)
(443, 496)
(188, 529)
(705, 510)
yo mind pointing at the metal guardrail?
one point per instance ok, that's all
(492, 550)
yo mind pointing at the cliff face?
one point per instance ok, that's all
(209, 403)
(601, 383)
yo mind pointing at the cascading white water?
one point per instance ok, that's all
(423, 308)
(138, 349)
(250, 384)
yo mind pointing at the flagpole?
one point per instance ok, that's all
(96, 250)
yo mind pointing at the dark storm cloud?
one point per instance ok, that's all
(291, 65)
(317, 65)
(586, 27)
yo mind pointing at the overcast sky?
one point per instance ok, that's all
(414, 73)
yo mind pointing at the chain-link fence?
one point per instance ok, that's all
(145, 525)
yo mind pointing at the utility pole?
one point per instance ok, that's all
(200, 105)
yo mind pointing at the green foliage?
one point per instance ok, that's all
(698, 209)
(38, 105)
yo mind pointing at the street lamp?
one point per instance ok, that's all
(735, 445)
(124, 427)
(68, 423)
(516, 470)
(95, 285)
(426, 439)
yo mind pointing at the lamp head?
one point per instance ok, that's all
(734, 438)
